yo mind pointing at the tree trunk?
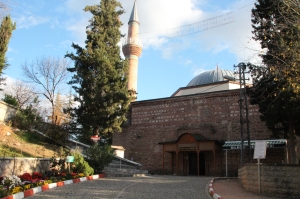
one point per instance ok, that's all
(291, 144)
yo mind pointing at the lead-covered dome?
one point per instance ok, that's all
(211, 76)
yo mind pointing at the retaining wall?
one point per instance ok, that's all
(6, 111)
(276, 180)
(19, 166)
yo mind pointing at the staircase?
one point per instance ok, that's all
(121, 167)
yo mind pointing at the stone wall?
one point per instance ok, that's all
(276, 180)
(19, 166)
(6, 111)
(164, 120)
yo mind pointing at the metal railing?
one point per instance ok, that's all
(134, 41)
(123, 161)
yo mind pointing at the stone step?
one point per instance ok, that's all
(112, 165)
(120, 167)
(114, 170)
(126, 175)
(122, 162)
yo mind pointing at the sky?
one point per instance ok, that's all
(48, 28)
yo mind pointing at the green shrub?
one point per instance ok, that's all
(81, 166)
(9, 99)
(99, 157)
(26, 118)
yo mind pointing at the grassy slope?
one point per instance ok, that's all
(14, 142)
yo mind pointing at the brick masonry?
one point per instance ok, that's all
(160, 120)
(276, 180)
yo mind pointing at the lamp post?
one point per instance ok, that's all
(243, 102)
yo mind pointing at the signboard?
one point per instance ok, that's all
(260, 149)
(95, 138)
(187, 147)
(70, 159)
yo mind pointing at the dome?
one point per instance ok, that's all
(211, 76)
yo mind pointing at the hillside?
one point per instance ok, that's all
(14, 142)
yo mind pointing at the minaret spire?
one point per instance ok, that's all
(132, 49)
(134, 15)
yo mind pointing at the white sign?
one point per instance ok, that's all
(260, 149)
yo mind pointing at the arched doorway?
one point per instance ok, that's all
(190, 155)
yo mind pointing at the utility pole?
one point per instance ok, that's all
(244, 115)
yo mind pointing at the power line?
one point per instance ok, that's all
(199, 26)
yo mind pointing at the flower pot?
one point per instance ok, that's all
(28, 193)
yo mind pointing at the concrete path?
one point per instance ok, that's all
(152, 187)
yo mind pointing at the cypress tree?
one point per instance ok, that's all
(6, 29)
(276, 25)
(276, 84)
(99, 78)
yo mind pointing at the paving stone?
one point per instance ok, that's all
(150, 187)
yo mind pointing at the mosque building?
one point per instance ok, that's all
(195, 131)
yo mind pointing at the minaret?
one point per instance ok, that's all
(132, 49)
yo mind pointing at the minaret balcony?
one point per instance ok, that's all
(133, 41)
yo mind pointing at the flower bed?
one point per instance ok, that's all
(26, 185)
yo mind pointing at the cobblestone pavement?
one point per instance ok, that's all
(152, 187)
(233, 189)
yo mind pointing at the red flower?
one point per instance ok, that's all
(37, 175)
(26, 177)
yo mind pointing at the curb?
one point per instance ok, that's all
(32, 191)
(212, 192)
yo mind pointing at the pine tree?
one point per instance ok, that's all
(99, 80)
(6, 29)
(276, 83)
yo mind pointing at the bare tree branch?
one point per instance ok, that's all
(24, 93)
(49, 73)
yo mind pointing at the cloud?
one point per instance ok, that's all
(78, 19)
(157, 16)
(154, 19)
(30, 20)
(198, 71)
(11, 50)
(234, 37)
(65, 44)
(7, 84)
(188, 62)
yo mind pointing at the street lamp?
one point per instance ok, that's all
(243, 102)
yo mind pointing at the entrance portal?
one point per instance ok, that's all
(193, 170)
(187, 158)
